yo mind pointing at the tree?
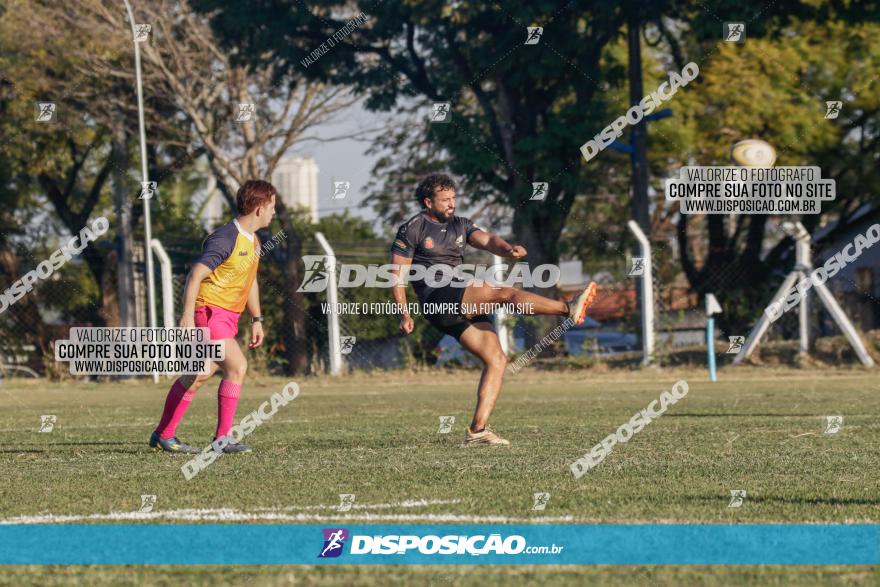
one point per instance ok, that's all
(74, 158)
(781, 88)
(20, 324)
(242, 117)
(240, 144)
(519, 112)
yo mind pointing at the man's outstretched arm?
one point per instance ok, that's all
(489, 241)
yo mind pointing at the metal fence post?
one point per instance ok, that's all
(332, 316)
(647, 286)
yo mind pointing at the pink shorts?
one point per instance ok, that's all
(222, 323)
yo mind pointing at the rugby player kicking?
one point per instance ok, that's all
(220, 285)
(435, 236)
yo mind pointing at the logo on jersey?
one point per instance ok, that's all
(429, 243)
(460, 240)
(334, 540)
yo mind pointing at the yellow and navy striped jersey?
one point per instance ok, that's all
(232, 254)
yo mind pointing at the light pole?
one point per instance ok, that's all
(148, 231)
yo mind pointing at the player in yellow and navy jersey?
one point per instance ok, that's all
(220, 285)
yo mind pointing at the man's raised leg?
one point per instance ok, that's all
(487, 297)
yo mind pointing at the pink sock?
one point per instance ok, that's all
(227, 401)
(176, 403)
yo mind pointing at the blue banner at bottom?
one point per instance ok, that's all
(532, 544)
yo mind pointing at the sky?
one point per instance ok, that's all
(344, 160)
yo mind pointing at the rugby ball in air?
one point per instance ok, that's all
(753, 153)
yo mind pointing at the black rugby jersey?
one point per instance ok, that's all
(431, 243)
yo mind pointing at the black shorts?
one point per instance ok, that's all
(451, 323)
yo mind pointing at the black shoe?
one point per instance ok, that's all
(172, 444)
(235, 448)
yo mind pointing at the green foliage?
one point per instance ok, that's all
(520, 113)
(775, 89)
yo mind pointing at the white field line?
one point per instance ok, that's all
(233, 515)
(408, 503)
(145, 426)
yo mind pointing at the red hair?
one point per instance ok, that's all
(253, 194)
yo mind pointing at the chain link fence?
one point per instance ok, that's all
(43, 311)
(368, 323)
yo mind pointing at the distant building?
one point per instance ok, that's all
(213, 208)
(295, 178)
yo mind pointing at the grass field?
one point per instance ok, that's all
(376, 436)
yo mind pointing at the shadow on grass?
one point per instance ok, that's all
(743, 415)
(832, 501)
(97, 443)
